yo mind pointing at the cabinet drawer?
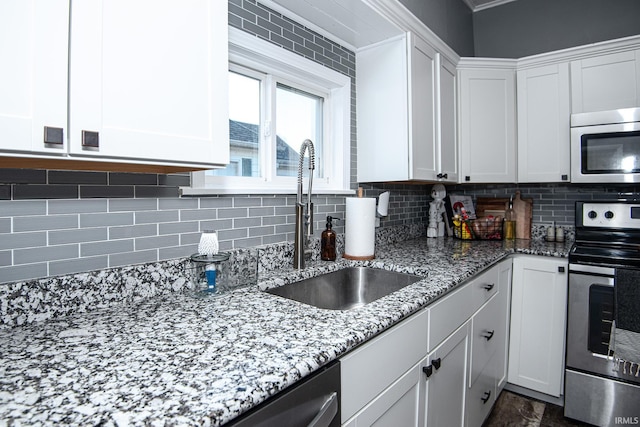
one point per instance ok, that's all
(481, 397)
(484, 287)
(486, 338)
(448, 314)
(371, 368)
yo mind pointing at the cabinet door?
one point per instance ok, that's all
(396, 406)
(606, 82)
(447, 142)
(382, 113)
(543, 124)
(422, 154)
(149, 80)
(33, 75)
(487, 125)
(504, 298)
(371, 368)
(538, 322)
(443, 391)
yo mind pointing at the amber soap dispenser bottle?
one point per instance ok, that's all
(328, 242)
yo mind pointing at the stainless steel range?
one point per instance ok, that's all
(601, 387)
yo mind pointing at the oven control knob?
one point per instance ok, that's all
(592, 214)
(608, 214)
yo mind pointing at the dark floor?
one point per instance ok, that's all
(515, 410)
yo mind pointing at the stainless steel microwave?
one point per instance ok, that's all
(605, 146)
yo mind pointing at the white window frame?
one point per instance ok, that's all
(251, 52)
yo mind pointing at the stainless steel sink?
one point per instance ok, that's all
(345, 289)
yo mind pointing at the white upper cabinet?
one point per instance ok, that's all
(447, 143)
(149, 78)
(487, 117)
(147, 81)
(543, 123)
(606, 82)
(33, 77)
(399, 131)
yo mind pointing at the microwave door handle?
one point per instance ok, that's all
(327, 412)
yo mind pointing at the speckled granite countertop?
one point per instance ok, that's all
(180, 360)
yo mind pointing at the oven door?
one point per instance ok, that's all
(589, 315)
(606, 153)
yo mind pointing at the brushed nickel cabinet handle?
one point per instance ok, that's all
(90, 139)
(53, 135)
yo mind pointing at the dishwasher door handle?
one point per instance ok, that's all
(327, 412)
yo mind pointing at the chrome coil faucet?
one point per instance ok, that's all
(303, 219)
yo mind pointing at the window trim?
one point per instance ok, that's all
(249, 51)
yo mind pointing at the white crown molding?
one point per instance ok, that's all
(492, 63)
(486, 5)
(580, 52)
(399, 15)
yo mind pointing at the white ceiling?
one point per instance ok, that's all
(351, 21)
(476, 5)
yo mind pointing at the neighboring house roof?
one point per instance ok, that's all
(246, 134)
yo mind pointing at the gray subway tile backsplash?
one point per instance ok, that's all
(45, 222)
(107, 191)
(106, 219)
(130, 258)
(23, 272)
(23, 176)
(5, 225)
(77, 177)
(106, 247)
(77, 206)
(128, 231)
(48, 253)
(78, 265)
(5, 258)
(44, 191)
(61, 237)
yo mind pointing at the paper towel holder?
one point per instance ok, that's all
(382, 209)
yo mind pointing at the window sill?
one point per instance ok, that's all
(196, 192)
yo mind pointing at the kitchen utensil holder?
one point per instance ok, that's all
(209, 271)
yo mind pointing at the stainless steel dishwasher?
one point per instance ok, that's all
(313, 402)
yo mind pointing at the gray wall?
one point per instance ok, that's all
(451, 20)
(528, 27)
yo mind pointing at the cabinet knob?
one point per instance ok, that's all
(53, 135)
(488, 335)
(442, 176)
(560, 269)
(467, 178)
(90, 139)
(488, 286)
(428, 370)
(487, 396)
(436, 363)
(565, 177)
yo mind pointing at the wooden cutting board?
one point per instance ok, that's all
(522, 208)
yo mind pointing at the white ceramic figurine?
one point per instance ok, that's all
(436, 209)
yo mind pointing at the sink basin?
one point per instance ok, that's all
(345, 289)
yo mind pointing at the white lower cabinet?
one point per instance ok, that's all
(434, 368)
(538, 323)
(398, 405)
(444, 387)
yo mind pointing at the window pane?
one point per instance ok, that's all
(244, 127)
(298, 117)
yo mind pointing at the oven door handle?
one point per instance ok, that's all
(327, 412)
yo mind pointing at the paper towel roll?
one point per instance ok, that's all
(360, 228)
